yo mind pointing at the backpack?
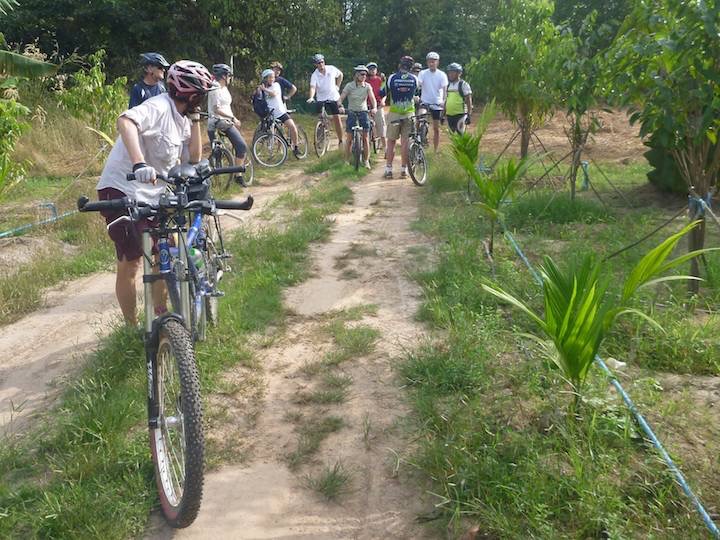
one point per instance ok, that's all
(460, 88)
(259, 105)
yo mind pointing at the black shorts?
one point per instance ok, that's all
(454, 119)
(436, 113)
(331, 107)
(284, 118)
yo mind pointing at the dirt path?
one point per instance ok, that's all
(364, 266)
(47, 346)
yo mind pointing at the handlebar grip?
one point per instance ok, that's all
(228, 170)
(130, 177)
(235, 205)
(84, 204)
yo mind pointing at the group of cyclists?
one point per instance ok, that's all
(162, 127)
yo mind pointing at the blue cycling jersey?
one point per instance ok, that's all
(400, 88)
(141, 91)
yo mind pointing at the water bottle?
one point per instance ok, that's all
(197, 258)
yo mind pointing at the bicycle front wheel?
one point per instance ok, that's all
(221, 158)
(302, 143)
(357, 149)
(321, 139)
(418, 164)
(176, 441)
(270, 150)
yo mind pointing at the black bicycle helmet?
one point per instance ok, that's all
(406, 62)
(153, 59)
(221, 70)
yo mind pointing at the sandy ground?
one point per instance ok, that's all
(262, 497)
(49, 345)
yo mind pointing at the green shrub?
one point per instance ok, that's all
(554, 208)
(11, 127)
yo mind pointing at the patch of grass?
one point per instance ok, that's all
(367, 431)
(331, 482)
(356, 340)
(333, 389)
(544, 206)
(494, 439)
(87, 473)
(311, 434)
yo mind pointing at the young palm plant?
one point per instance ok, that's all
(495, 188)
(579, 312)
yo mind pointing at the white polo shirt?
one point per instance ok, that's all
(164, 133)
(276, 102)
(433, 85)
(325, 87)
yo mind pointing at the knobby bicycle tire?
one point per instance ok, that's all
(357, 149)
(302, 143)
(270, 150)
(418, 163)
(373, 139)
(174, 365)
(221, 158)
(320, 141)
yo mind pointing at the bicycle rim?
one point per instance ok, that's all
(269, 150)
(418, 164)
(357, 150)
(320, 141)
(177, 443)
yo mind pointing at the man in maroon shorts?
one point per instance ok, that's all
(154, 136)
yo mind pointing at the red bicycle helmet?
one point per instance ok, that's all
(186, 79)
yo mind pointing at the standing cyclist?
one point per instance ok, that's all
(272, 92)
(434, 85)
(400, 89)
(221, 117)
(288, 88)
(325, 89)
(376, 80)
(458, 106)
(151, 84)
(358, 92)
(157, 134)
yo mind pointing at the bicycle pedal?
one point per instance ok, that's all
(217, 294)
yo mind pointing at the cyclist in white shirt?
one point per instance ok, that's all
(221, 116)
(434, 85)
(274, 98)
(325, 89)
(157, 134)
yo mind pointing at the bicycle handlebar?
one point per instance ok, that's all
(130, 177)
(206, 206)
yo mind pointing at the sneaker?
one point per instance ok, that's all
(367, 165)
(388, 173)
(240, 180)
(296, 152)
(403, 173)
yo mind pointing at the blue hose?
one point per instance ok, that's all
(633, 409)
(16, 230)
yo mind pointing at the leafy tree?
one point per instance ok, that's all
(520, 67)
(666, 65)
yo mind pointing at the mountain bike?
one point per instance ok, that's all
(422, 126)
(321, 140)
(373, 137)
(417, 162)
(356, 148)
(174, 404)
(222, 157)
(271, 144)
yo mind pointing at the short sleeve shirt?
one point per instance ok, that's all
(163, 134)
(219, 102)
(400, 88)
(357, 95)
(376, 83)
(325, 84)
(432, 84)
(456, 102)
(141, 91)
(284, 84)
(276, 102)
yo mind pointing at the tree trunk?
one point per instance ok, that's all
(525, 133)
(696, 240)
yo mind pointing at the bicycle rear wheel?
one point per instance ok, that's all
(177, 441)
(418, 163)
(221, 158)
(302, 143)
(320, 141)
(373, 139)
(270, 150)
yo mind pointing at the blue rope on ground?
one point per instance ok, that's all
(17, 230)
(633, 409)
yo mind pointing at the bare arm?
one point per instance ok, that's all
(292, 92)
(373, 101)
(339, 79)
(195, 143)
(130, 136)
(311, 95)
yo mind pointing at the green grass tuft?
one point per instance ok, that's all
(331, 482)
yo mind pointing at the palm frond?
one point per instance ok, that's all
(7, 5)
(14, 64)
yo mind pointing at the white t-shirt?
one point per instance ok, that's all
(275, 102)
(164, 132)
(325, 87)
(433, 87)
(219, 102)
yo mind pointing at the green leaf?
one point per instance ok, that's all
(14, 64)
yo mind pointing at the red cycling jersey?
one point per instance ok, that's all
(376, 82)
